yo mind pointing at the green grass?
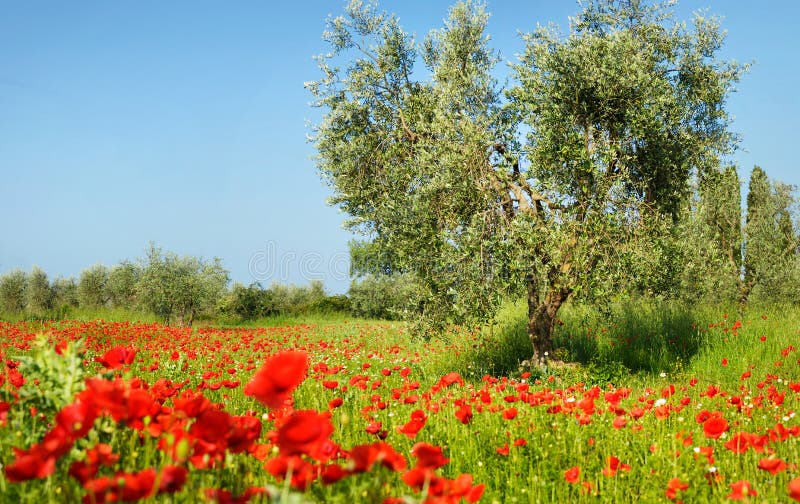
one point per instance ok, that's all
(648, 353)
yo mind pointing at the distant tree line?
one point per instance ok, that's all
(180, 289)
(722, 252)
(177, 289)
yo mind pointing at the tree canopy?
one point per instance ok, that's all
(539, 186)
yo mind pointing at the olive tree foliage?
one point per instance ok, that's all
(39, 294)
(122, 280)
(179, 288)
(92, 287)
(65, 293)
(13, 291)
(538, 187)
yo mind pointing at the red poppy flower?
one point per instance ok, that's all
(332, 473)
(417, 477)
(572, 475)
(741, 490)
(715, 426)
(191, 404)
(82, 471)
(76, 419)
(417, 422)
(303, 432)
(510, 413)
(172, 478)
(451, 379)
(674, 486)
(462, 487)
(117, 357)
(363, 457)
(794, 489)
(277, 378)
(773, 465)
(613, 465)
(464, 414)
(738, 443)
(225, 497)
(15, 378)
(211, 426)
(243, 433)
(101, 454)
(428, 456)
(29, 464)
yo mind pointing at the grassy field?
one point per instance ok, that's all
(655, 404)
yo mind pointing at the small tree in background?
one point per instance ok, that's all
(712, 240)
(13, 291)
(121, 288)
(39, 294)
(771, 242)
(180, 287)
(92, 287)
(383, 296)
(65, 293)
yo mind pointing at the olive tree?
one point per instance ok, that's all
(180, 287)
(65, 293)
(13, 289)
(92, 287)
(39, 294)
(122, 280)
(480, 190)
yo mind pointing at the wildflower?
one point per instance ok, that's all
(773, 465)
(741, 490)
(613, 465)
(417, 422)
(715, 426)
(428, 456)
(794, 489)
(304, 432)
(673, 487)
(572, 475)
(117, 357)
(274, 382)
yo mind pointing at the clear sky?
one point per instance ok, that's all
(185, 123)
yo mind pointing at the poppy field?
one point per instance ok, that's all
(361, 412)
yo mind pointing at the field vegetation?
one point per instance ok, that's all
(559, 295)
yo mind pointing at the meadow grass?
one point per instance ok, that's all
(640, 379)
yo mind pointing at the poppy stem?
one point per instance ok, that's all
(287, 480)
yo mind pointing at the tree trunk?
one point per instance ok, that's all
(541, 320)
(745, 288)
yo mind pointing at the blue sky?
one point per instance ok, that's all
(185, 123)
